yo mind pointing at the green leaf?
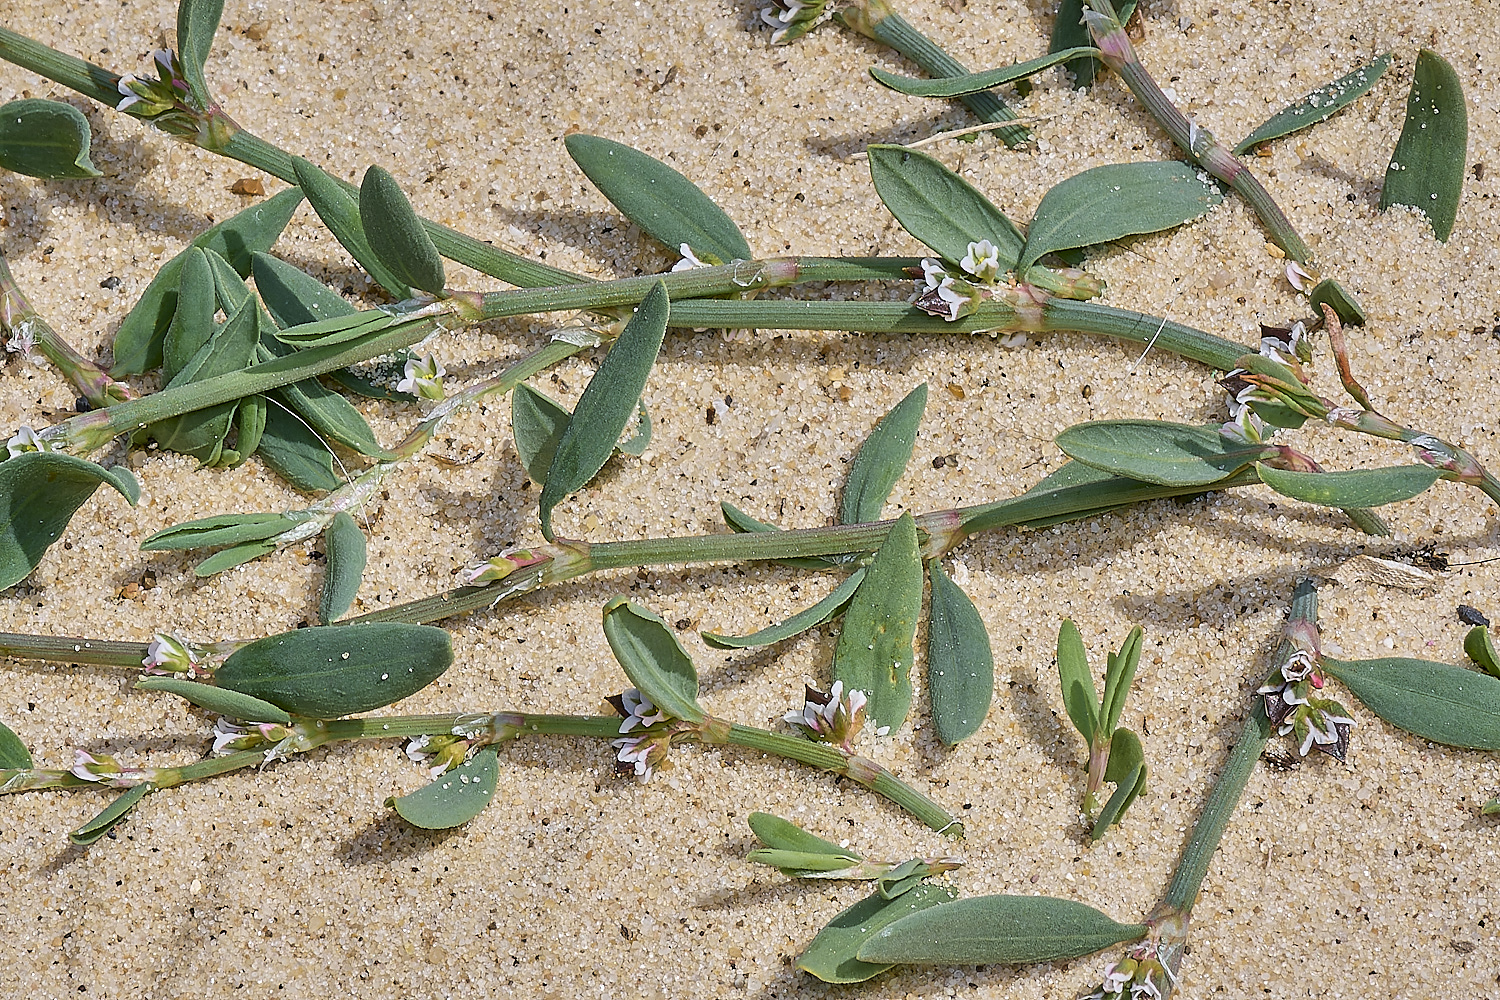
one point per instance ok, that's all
(784, 835)
(1069, 31)
(658, 199)
(192, 323)
(607, 404)
(1427, 166)
(640, 439)
(973, 83)
(1344, 302)
(250, 425)
(329, 415)
(48, 139)
(231, 704)
(336, 329)
(294, 297)
(111, 815)
(296, 454)
(1007, 930)
(874, 652)
(1318, 106)
(1436, 701)
(940, 208)
(197, 20)
(1119, 674)
(330, 671)
(960, 663)
(454, 797)
(233, 556)
(138, 341)
(1355, 488)
(653, 659)
(396, 233)
(1160, 452)
(831, 956)
(40, 491)
(1127, 769)
(221, 529)
(1481, 650)
(201, 433)
(13, 753)
(882, 459)
(1079, 695)
(344, 546)
(1121, 199)
(341, 214)
(797, 864)
(816, 615)
(537, 422)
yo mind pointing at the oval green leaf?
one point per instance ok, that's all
(192, 323)
(454, 797)
(40, 491)
(1355, 488)
(13, 753)
(874, 652)
(537, 423)
(940, 208)
(138, 341)
(973, 83)
(1481, 650)
(341, 214)
(1426, 171)
(292, 296)
(831, 956)
(653, 659)
(197, 20)
(1318, 106)
(1007, 930)
(658, 199)
(329, 415)
(882, 459)
(48, 139)
(221, 529)
(784, 835)
(327, 672)
(795, 625)
(1159, 452)
(607, 404)
(1344, 302)
(295, 453)
(1079, 695)
(231, 704)
(344, 545)
(1120, 199)
(1436, 701)
(396, 233)
(111, 815)
(960, 662)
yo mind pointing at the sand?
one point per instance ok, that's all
(1369, 878)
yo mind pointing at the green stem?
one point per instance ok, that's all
(86, 78)
(67, 649)
(19, 320)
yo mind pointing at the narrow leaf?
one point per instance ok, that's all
(340, 213)
(658, 199)
(192, 323)
(1079, 696)
(940, 208)
(1008, 930)
(48, 139)
(197, 20)
(882, 459)
(13, 753)
(960, 662)
(653, 659)
(40, 491)
(336, 329)
(1127, 769)
(831, 956)
(454, 797)
(1158, 452)
(1427, 166)
(973, 83)
(537, 423)
(327, 672)
(111, 815)
(1437, 701)
(344, 546)
(396, 233)
(230, 704)
(607, 404)
(784, 835)
(330, 415)
(233, 556)
(292, 296)
(1318, 106)
(874, 652)
(1118, 676)
(296, 454)
(1355, 488)
(1121, 199)
(1481, 650)
(138, 341)
(797, 864)
(1069, 31)
(812, 617)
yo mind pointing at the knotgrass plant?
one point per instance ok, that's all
(246, 388)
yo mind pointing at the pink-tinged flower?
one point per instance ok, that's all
(1300, 277)
(1286, 345)
(168, 654)
(1246, 427)
(91, 768)
(639, 712)
(423, 377)
(830, 718)
(940, 294)
(22, 340)
(640, 755)
(231, 738)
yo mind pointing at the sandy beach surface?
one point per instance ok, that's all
(1370, 878)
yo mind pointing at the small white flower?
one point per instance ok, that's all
(22, 341)
(641, 754)
(1299, 666)
(84, 764)
(640, 711)
(689, 260)
(423, 377)
(416, 750)
(226, 735)
(164, 58)
(982, 261)
(1298, 276)
(168, 654)
(933, 273)
(1344, 413)
(26, 440)
(951, 296)
(130, 96)
(1116, 979)
(1245, 428)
